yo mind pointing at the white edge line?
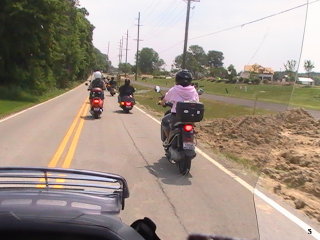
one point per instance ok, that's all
(268, 200)
(37, 105)
(286, 213)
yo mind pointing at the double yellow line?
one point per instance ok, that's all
(74, 130)
(73, 133)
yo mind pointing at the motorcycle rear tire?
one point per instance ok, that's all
(96, 115)
(184, 166)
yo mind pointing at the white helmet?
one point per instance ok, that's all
(97, 74)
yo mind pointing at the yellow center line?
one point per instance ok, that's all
(55, 159)
(75, 140)
(62, 146)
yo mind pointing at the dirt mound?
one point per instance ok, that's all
(285, 145)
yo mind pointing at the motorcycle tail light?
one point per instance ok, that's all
(96, 101)
(188, 128)
(128, 103)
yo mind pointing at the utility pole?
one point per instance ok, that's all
(127, 46)
(121, 48)
(127, 38)
(137, 55)
(120, 52)
(108, 48)
(186, 34)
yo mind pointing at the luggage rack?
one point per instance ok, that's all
(63, 183)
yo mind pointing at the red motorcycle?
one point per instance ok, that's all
(126, 103)
(96, 102)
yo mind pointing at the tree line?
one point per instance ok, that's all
(46, 44)
(197, 61)
(209, 64)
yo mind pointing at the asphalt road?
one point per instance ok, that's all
(276, 107)
(61, 133)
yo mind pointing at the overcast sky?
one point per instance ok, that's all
(270, 42)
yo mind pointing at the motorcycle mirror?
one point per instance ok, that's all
(200, 91)
(157, 89)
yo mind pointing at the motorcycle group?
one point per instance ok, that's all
(177, 126)
(36, 203)
(97, 87)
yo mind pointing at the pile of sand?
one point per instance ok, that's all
(286, 146)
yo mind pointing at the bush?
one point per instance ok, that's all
(16, 94)
(246, 80)
(265, 81)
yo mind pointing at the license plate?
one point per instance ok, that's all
(128, 107)
(188, 145)
(96, 109)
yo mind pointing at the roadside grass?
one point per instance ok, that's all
(10, 106)
(247, 164)
(213, 109)
(12, 101)
(307, 97)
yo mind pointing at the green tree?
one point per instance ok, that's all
(215, 58)
(232, 72)
(290, 67)
(219, 72)
(200, 63)
(100, 61)
(195, 60)
(125, 68)
(308, 66)
(44, 44)
(149, 61)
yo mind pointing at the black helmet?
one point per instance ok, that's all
(183, 78)
(127, 81)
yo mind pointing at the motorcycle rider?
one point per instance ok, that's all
(97, 83)
(112, 82)
(182, 91)
(125, 90)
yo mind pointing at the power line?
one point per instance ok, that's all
(165, 21)
(253, 21)
(165, 14)
(258, 48)
(242, 25)
(147, 15)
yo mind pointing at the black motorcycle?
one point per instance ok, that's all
(180, 144)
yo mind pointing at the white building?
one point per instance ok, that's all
(305, 81)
